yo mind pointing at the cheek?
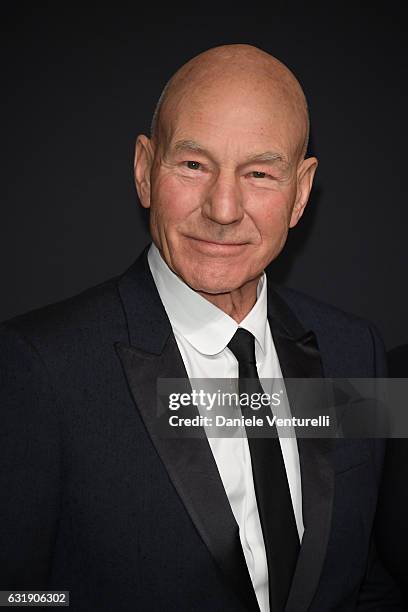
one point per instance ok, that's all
(172, 200)
(271, 214)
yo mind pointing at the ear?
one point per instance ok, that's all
(142, 168)
(305, 175)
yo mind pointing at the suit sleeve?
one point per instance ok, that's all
(379, 591)
(391, 524)
(29, 465)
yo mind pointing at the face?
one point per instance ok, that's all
(223, 186)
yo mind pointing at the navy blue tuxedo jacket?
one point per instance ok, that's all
(93, 500)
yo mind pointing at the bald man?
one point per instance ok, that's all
(96, 500)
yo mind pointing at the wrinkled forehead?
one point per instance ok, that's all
(252, 113)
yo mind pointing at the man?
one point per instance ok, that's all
(96, 501)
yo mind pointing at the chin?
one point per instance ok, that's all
(211, 282)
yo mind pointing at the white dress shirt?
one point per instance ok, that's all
(202, 332)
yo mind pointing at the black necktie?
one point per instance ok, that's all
(271, 485)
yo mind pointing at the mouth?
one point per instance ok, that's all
(216, 246)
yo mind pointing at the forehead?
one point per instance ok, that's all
(233, 123)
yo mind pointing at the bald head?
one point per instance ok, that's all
(242, 72)
(224, 173)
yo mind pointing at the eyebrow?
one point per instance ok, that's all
(267, 156)
(192, 145)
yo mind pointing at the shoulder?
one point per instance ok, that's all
(85, 318)
(350, 343)
(313, 312)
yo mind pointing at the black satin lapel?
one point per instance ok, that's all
(317, 501)
(190, 465)
(299, 357)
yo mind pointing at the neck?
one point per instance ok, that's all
(235, 303)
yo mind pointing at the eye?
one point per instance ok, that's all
(258, 175)
(193, 165)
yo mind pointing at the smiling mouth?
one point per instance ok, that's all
(216, 246)
(217, 242)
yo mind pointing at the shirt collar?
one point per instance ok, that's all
(205, 326)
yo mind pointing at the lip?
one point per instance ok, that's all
(212, 246)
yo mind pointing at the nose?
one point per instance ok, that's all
(223, 203)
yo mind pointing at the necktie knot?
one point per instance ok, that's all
(242, 345)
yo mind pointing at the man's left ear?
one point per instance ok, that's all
(305, 175)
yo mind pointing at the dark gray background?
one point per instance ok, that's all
(78, 87)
